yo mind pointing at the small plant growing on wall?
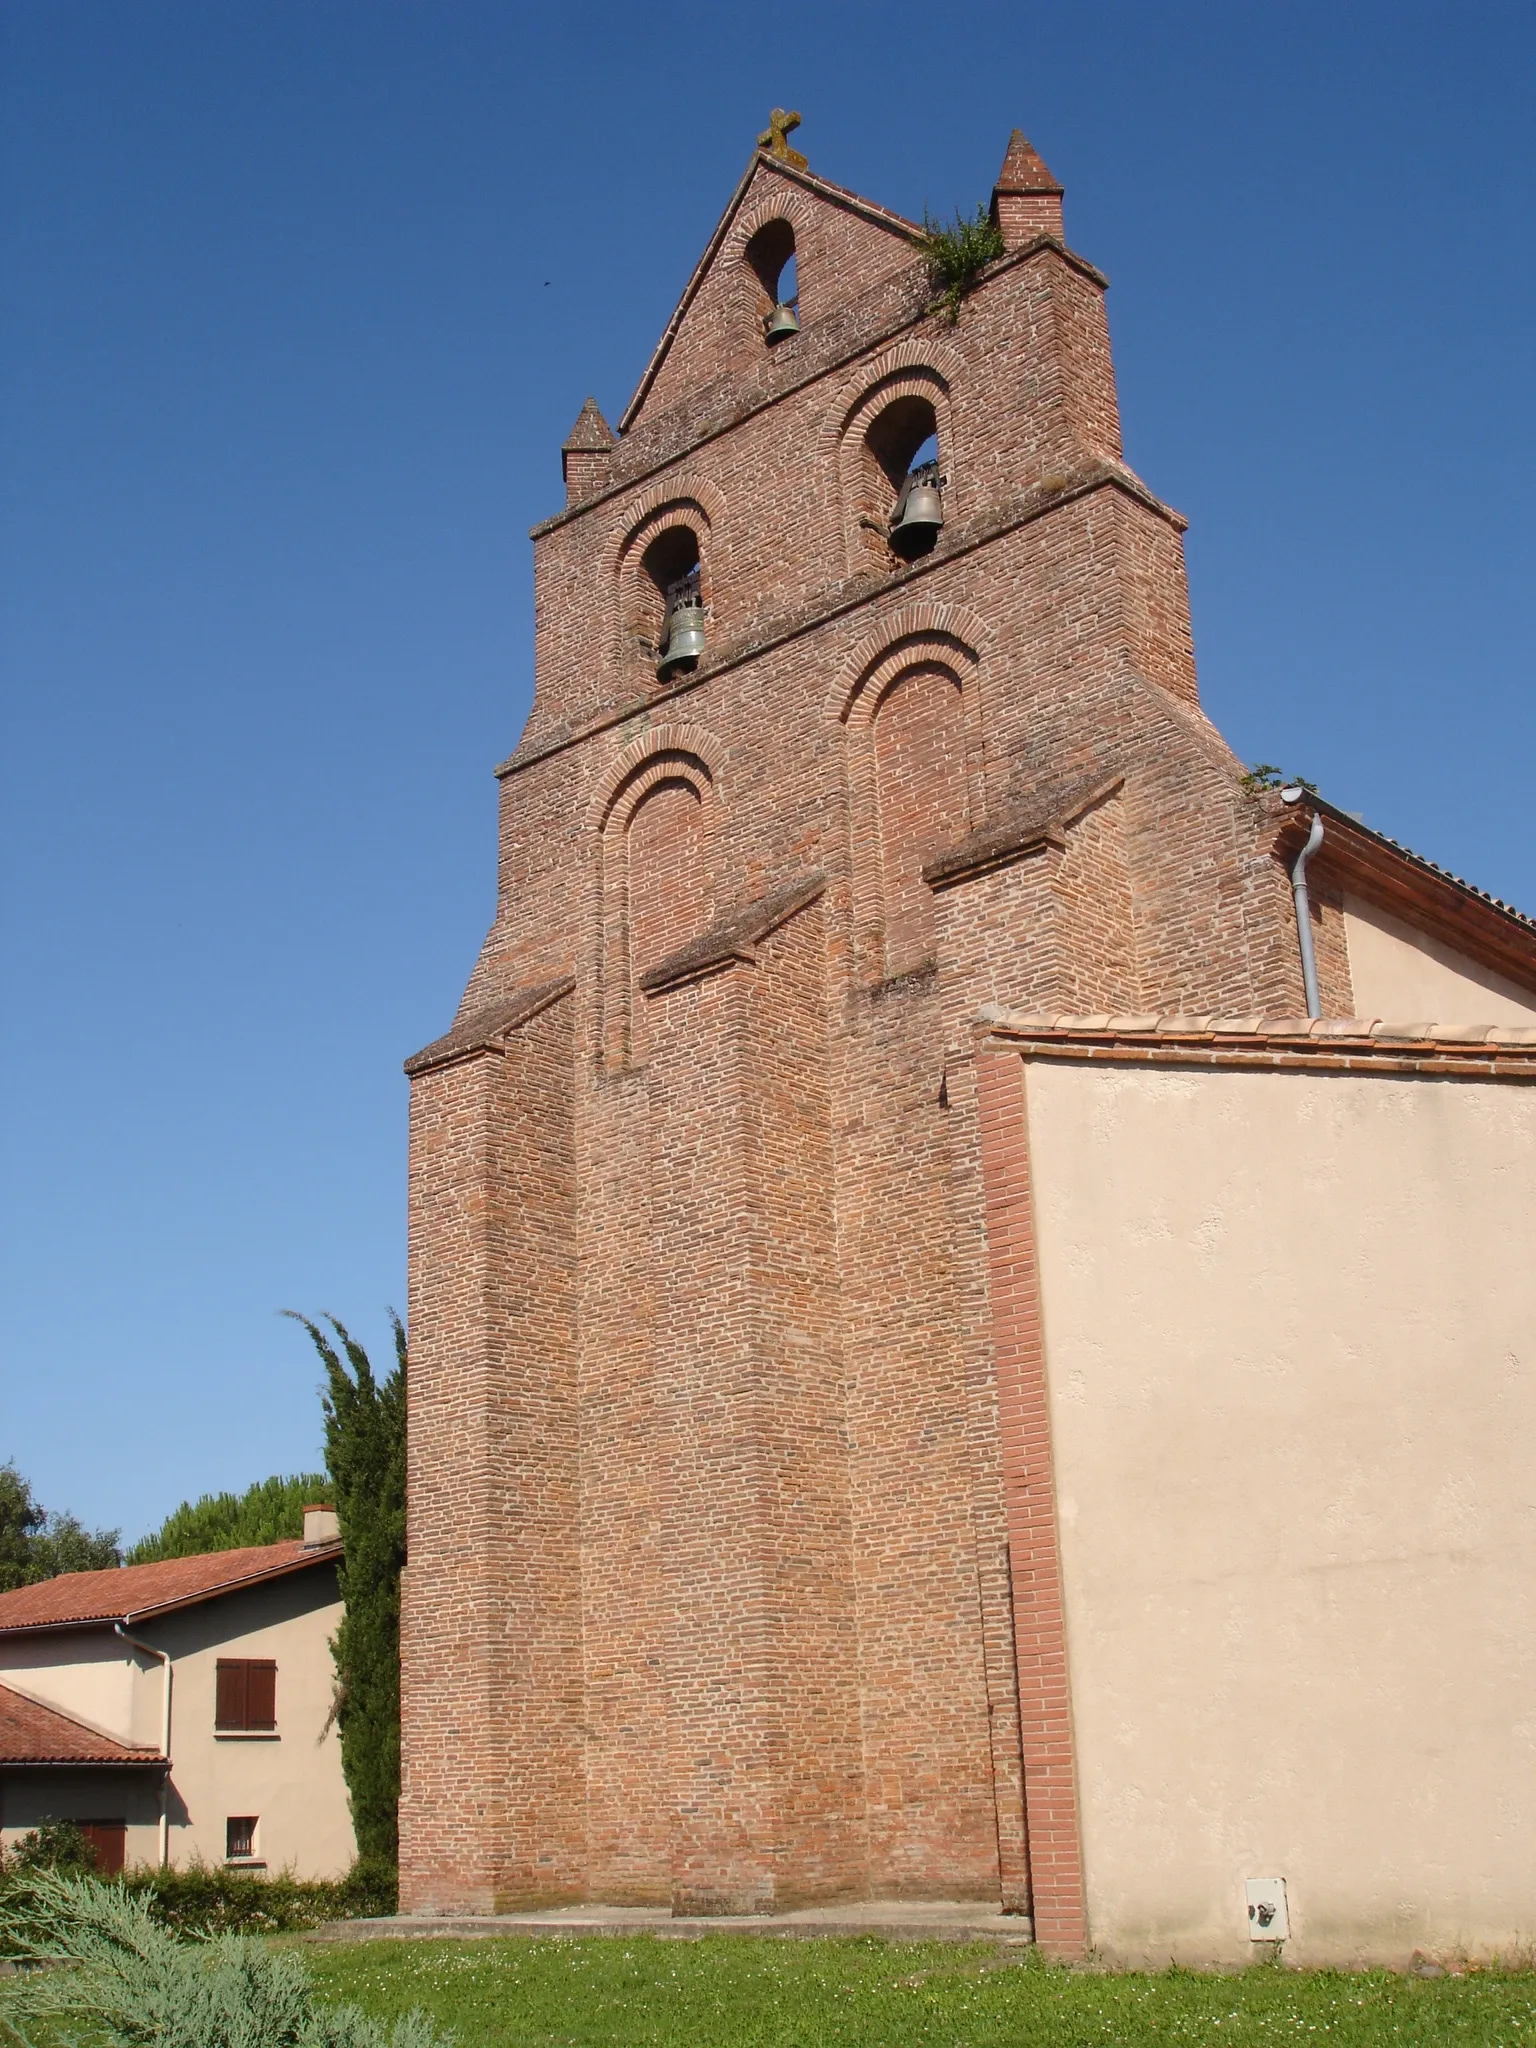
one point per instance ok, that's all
(1265, 775)
(957, 255)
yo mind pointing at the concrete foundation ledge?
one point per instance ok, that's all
(885, 1919)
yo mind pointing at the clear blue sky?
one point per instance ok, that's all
(299, 302)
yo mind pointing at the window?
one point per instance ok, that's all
(245, 1700)
(240, 1838)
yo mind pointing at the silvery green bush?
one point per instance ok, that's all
(91, 1957)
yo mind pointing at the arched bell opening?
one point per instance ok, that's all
(770, 256)
(903, 443)
(673, 568)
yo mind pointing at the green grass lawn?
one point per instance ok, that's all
(730, 1991)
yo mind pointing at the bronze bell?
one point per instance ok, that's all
(684, 648)
(919, 513)
(781, 321)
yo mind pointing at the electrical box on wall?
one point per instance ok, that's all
(1268, 1919)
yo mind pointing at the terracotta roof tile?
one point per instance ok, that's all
(140, 1589)
(1473, 1051)
(31, 1733)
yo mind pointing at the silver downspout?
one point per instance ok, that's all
(149, 1650)
(1303, 904)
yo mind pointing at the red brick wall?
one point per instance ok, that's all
(1018, 1341)
(711, 1598)
(491, 1799)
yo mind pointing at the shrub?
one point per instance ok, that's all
(206, 1898)
(135, 1981)
(52, 1845)
(957, 255)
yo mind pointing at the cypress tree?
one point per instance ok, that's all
(365, 1456)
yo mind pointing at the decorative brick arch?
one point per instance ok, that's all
(929, 353)
(682, 499)
(919, 642)
(955, 624)
(675, 755)
(788, 205)
(925, 369)
(678, 742)
(677, 487)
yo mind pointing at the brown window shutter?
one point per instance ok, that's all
(261, 1695)
(229, 1694)
(109, 1844)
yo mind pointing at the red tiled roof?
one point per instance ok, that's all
(140, 1590)
(31, 1733)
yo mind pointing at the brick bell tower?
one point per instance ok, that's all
(709, 1599)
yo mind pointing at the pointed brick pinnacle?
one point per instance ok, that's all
(1024, 169)
(591, 433)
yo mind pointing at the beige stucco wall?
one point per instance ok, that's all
(292, 1782)
(1406, 976)
(87, 1673)
(1290, 1329)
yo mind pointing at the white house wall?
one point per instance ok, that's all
(83, 1672)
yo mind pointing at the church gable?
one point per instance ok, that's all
(791, 250)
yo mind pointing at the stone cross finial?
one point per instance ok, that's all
(775, 139)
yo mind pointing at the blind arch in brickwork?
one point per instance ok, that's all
(667, 762)
(935, 649)
(677, 742)
(952, 625)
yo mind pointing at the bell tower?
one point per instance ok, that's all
(865, 697)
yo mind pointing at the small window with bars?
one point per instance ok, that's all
(245, 1696)
(240, 1838)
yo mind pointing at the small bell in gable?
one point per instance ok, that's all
(782, 321)
(919, 514)
(683, 647)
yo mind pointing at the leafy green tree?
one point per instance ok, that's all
(36, 1545)
(365, 1454)
(268, 1512)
